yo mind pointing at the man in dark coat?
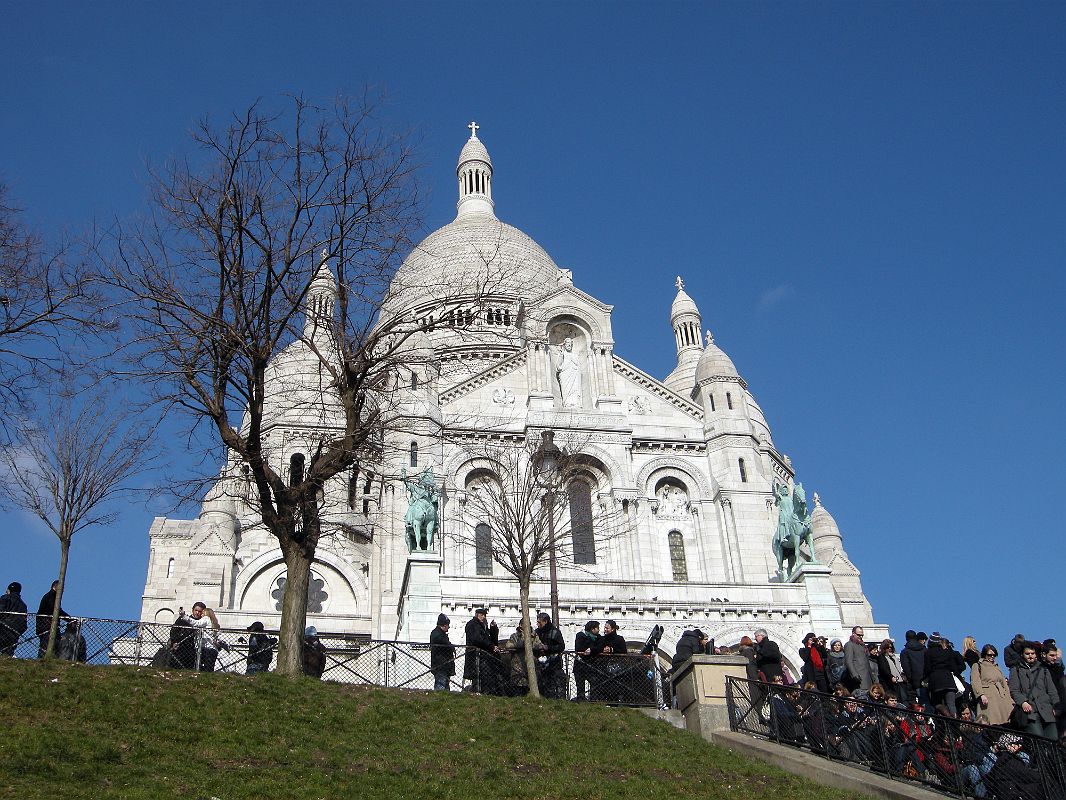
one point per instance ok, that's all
(549, 647)
(1012, 653)
(12, 618)
(767, 656)
(912, 659)
(260, 649)
(43, 620)
(477, 666)
(441, 654)
(692, 643)
(1033, 689)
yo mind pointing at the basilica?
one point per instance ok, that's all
(684, 466)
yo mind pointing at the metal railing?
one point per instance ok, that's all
(948, 755)
(629, 680)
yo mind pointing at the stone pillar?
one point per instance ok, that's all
(700, 684)
(420, 598)
(825, 610)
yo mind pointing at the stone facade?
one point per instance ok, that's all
(687, 464)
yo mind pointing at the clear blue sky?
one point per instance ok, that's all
(865, 200)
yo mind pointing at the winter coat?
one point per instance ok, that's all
(752, 671)
(14, 621)
(940, 666)
(812, 673)
(478, 646)
(582, 642)
(44, 612)
(1011, 656)
(441, 653)
(913, 661)
(1035, 686)
(71, 645)
(768, 659)
(987, 679)
(613, 641)
(838, 670)
(858, 664)
(887, 666)
(687, 647)
(260, 652)
(1013, 777)
(516, 665)
(314, 656)
(182, 644)
(1058, 679)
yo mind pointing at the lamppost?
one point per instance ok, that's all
(548, 456)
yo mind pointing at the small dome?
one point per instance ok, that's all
(822, 522)
(714, 363)
(217, 501)
(683, 304)
(474, 150)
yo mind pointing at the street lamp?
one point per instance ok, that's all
(548, 456)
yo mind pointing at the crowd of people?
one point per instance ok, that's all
(932, 712)
(492, 666)
(70, 644)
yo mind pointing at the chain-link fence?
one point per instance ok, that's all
(949, 755)
(630, 680)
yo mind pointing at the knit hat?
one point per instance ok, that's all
(310, 630)
(442, 619)
(921, 637)
(1008, 739)
(14, 587)
(699, 634)
(910, 635)
(807, 636)
(481, 611)
(935, 638)
(256, 626)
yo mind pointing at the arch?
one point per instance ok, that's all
(552, 314)
(613, 473)
(356, 583)
(679, 468)
(582, 530)
(296, 469)
(164, 615)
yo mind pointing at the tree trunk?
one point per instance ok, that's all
(293, 610)
(53, 627)
(527, 638)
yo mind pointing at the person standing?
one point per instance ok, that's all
(990, 688)
(890, 671)
(1032, 688)
(549, 647)
(477, 665)
(1012, 653)
(260, 649)
(205, 623)
(942, 665)
(815, 663)
(441, 654)
(12, 618)
(43, 620)
(585, 650)
(314, 654)
(767, 656)
(913, 661)
(857, 661)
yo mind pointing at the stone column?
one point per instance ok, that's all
(700, 688)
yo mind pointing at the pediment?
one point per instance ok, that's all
(490, 375)
(644, 396)
(841, 565)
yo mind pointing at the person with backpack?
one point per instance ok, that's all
(12, 618)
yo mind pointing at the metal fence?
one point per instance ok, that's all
(630, 680)
(949, 755)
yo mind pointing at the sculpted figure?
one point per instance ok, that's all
(793, 528)
(568, 373)
(420, 522)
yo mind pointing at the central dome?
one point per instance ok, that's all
(476, 254)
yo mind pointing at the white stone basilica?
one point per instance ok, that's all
(688, 463)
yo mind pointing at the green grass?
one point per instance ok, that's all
(71, 731)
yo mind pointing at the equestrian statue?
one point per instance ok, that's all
(793, 529)
(420, 523)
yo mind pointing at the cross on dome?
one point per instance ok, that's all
(473, 126)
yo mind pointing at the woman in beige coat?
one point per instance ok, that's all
(990, 688)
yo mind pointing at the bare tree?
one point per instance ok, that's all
(231, 278)
(67, 469)
(49, 297)
(523, 491)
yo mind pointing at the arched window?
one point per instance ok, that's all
(483, 549)
(414, 454)
(170, 568)
(711, 398)
(414, 381)
(581, 523)
(729, 400)
(677, 555)
(743, 472)
(353, 488)
(296, 469)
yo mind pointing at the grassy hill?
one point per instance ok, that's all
(71, 731)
